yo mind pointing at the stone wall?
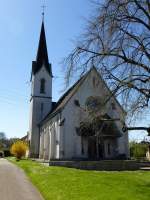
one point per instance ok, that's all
(104, 165)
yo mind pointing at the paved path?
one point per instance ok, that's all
(14, 185)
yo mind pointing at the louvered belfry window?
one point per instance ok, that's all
(42, 87)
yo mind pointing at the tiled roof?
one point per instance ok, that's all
(69, 93)
(64, 98)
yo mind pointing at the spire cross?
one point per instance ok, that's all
(43, 8)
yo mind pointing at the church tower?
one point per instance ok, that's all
(41, 93)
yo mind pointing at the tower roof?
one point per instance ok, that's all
(42, 54)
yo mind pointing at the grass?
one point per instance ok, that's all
(59, 183)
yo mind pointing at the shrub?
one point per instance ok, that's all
(6, 153)
(18, 149)
(138, 150)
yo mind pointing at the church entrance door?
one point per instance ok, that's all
(92, 151)
(91, 148)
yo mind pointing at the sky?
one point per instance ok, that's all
(20, 23)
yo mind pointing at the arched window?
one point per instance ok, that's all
(42, 86)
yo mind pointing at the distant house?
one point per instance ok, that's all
(56, 129)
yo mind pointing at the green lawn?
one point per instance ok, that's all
(58, 183)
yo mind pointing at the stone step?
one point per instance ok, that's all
(145, 168)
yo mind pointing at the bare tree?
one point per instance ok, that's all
(117, 42)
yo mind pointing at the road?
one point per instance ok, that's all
(14, 185)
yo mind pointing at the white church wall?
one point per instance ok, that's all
(35, 119)
(46, 143)
(74, 115)
(40, 106)
(52, 138)
(123, 147)
(72, 142)
(30, 120)
(36, 81)
(57, 138)
(41, 155)
(34, 129)
(41, 98)
(63, 139)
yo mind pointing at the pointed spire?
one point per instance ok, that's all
(42, 54)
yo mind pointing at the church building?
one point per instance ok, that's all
(79, 125)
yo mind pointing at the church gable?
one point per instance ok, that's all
(93, 86)
(74, 111)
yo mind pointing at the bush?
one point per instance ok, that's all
(7, 153)
(18, 149)
(138, 150)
